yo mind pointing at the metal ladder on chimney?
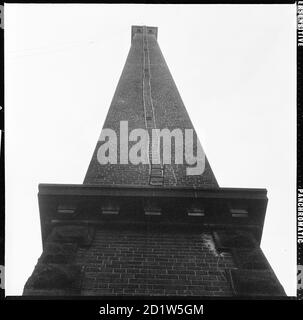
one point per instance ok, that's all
(156, 173)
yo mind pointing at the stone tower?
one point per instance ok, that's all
(150, 228)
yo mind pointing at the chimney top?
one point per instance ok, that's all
(140, 30)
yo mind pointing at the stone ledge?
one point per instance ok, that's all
(80, 235)
(58, 253)
(228, 239)
(250, 259)
(55, 276)
(255, 283)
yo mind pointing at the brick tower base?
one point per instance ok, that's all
(102, 241)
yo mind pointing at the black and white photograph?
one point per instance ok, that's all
(150, 151)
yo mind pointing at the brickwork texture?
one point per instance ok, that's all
(167, 111)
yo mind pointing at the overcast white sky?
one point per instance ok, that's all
(235, 67)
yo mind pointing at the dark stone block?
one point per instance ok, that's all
(81, 235)
(58, 253)
(226, 240)
(253, 283)
(55, 276)
(250, 259)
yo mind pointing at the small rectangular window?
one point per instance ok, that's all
(152, 208)
(239, 213)
(152, 213)
(65, 208)
(110, 209)
(195, 212)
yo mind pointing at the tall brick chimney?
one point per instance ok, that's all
(150, 229)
